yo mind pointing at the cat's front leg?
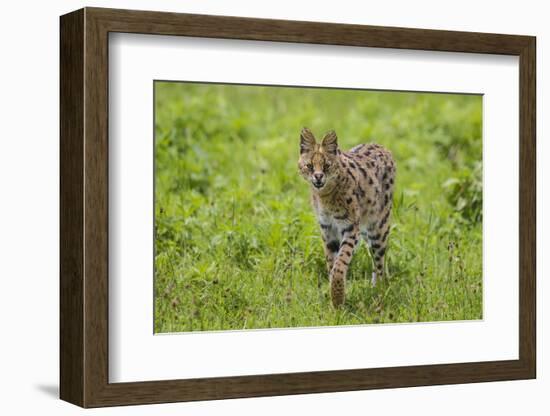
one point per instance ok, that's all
(350, 238)
(331, 242)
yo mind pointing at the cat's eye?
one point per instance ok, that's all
(326, 166)
(309, 166)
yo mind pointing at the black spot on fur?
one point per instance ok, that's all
(347, 243)
(384, 220)
(348, 200)
(333, 246)
(347, 229)
(324, 226)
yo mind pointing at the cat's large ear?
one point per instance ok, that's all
(330, 142)
(307, 141)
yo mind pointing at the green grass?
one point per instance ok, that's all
(237, 244)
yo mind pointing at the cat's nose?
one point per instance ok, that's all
(318, 176)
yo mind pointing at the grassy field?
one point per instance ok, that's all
(237, 244)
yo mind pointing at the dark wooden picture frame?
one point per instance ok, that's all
(84, 207)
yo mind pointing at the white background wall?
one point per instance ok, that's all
(29, 159)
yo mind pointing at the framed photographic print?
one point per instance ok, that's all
(255, 207)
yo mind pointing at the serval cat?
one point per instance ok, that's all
(352, 195)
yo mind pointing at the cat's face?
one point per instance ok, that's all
(318, 163)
